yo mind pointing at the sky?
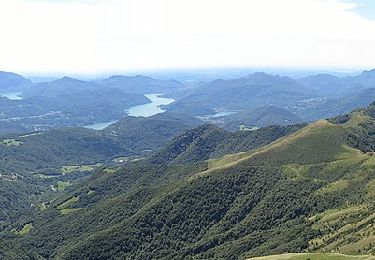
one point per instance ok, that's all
(103, 36)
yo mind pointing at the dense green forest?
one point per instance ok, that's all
(36, 166)
(210, 194)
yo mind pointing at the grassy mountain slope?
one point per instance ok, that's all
(100, 194)
(316, 159)
(209, 141)
(309, 191)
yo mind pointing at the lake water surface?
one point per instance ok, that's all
(145, 110)
(12, 95)
(152, 108)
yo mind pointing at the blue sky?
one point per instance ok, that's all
(100, 36)
(365, 8)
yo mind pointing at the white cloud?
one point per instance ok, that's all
(118, 35)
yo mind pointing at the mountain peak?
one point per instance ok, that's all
(10, 80)
(128, 77)
(261, 75)
(67, 80)
(369, 72)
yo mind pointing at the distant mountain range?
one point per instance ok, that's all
(68, 102)
(140, 84)
(254, 91)
(332, 85)
(259, 98)
(309, 98)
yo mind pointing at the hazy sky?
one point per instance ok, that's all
(88, 36)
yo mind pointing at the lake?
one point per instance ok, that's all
(152, 108)
(145, 110)
(12, 95)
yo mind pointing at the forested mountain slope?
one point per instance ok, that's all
(309, 191)
(40, 163)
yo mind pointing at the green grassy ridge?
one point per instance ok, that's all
(275, 199)
(111, 230)
(312, 140)
(209, 141)
(304, 146)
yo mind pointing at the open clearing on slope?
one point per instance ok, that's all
(78, 168)
(25, 230)
(11, 142)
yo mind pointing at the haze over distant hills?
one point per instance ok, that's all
(140, 84)
(71, 102)
(309, 98)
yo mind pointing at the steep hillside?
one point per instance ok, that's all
(152, 132)
(208, 141)
(311, 190)
(33, 164)
(313, 171)
(75, 146)
(12, 82)
(120, 187)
